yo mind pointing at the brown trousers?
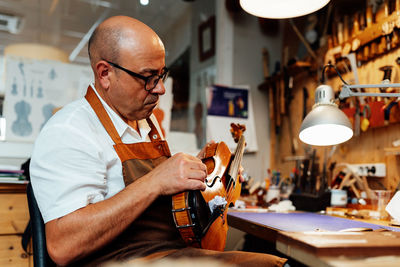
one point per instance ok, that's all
(226, 258)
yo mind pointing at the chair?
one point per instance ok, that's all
(40, 256)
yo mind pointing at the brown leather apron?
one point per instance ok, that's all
(153, 234)
(154, 230)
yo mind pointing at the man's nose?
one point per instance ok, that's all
(159, 89)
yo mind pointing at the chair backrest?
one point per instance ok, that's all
(40, 256)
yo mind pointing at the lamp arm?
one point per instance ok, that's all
(347, 92)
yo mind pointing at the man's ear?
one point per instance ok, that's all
(103, 74)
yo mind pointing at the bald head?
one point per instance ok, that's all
(120, 34)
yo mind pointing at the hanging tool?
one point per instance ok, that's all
(360, 100)
(313, 172)
(305, 98)
(304, 166)
(324, 177)
(277, 106)
(387, 28)
(387, 74)
(307, 181)
(265, 54)
(288, 100)
(387, 109)
(366, 115)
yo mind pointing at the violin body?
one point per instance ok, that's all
(197, 224)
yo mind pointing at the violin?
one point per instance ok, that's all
(201, 216)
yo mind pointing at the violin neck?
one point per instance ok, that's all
(237, 160)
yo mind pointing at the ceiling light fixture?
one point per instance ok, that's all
(144, 2)
(11, 23)
(86, 37)
(281, 9)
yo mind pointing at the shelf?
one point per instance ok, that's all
(392, 151)
(12, 188)
(292, 70)
(386, 27)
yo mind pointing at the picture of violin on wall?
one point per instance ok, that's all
(227, 102)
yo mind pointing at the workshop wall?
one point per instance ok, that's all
(371, 146)
(375, 50)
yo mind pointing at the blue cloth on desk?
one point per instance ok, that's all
(305, 221)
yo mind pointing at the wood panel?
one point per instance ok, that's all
(347, 252)
(11, 252)
(12, 188)
(14, 217)
(14, 214)
(366, 148)
(344, 244)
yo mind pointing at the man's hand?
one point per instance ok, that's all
(179, 173)
(241, 178)
(202, 152)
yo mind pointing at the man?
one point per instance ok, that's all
(102, 175)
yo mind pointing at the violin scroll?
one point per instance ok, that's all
(237, 131)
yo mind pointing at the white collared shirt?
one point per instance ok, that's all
(73, 161)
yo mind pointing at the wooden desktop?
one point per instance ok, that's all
(322, 240)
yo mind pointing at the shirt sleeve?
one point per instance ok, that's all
(68, 171)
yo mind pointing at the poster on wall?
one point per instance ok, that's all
(226, 105)
(34, 89)
(228, 102)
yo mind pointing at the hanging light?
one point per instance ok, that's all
(281, 9)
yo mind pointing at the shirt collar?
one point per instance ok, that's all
(120, 125)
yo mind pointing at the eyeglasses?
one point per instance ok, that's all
(150, 81)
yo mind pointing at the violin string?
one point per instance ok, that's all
(234, 164)
(234, 170)
(238, 156)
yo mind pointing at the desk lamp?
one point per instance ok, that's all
(326, 124)
(281, 9)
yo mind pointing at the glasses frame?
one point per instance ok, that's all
(163, 76)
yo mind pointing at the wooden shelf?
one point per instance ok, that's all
(375, 31)
(12, 188)
(392, 151)
(385, 27)
(292, 70)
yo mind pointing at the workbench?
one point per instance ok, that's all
(322, 240)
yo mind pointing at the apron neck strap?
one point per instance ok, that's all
(101, 113)
(154, 134)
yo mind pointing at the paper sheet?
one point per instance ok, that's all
(393, 208)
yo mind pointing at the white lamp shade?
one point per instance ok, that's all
(325, 125)
(281, 9)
